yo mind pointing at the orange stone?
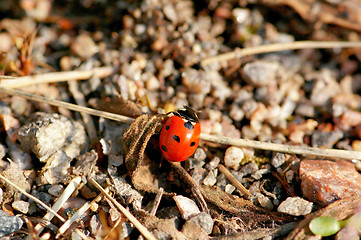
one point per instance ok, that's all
(324, 181)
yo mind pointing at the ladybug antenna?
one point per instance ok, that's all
(188, 113)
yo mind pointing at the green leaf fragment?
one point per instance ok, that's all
(324, 226)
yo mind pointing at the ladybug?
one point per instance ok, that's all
(180, 135)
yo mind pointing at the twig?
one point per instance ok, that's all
(239, 53)
(157, 201)
(68, 191)
(32, 198)
(234, 180)
(336, 153)
(143, 230)
(101, 72)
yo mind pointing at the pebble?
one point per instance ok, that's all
(324, 88)
(233, 157)
(56, 168)
(264, 201)
(200, 154)
(56, 190)
(213, 163)
(229, 188)
(198, 174)
(236, 112)
(203, 220)
(325, 139)
(84, 46)
(211, 178)
(44, 128)
(9, 224)
(260, 73)
(249, 168)
(196, 81)
(21, 206)
(258, 174)
(278, 159)
(187, 207)
(295, 206)
(325, 181)
(17, 154)
(44, 197)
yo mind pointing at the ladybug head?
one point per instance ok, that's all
(187, 113)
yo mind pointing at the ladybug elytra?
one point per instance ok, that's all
(180, 135)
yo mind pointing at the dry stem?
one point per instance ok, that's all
(239, 53)
(335, 153)
(234, 180)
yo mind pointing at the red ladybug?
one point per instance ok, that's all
(180, 135)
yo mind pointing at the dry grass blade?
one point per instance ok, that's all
(32, 198)
(143, 230)
(239, 53)
(101, 72)
(335, 153)
(282, 147)
(77, 215)
(68, 191)
(69, 106)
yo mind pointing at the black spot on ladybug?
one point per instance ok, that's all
(175, 137)
(164, 148)
(189, 125)
(167, 127)
(193, 143)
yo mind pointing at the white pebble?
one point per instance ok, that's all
(187, 207)
(233, 157)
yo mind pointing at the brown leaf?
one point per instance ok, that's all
(234, 207)
(135, 140)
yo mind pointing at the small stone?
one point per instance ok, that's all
(9, 224)
(233, 157)
(260, 73)
(196, 81)
(56, 190)
(186, 207)
(204, 220)
(198, 174)
(278, 159)
(44, 197)
(264, 201)
(326, 139)
(213, 163)
(210, 179)
(295, 206)
(236, 112)
(200, 154)
(56, 169)
(351, 118)
(84, 46)
(46, 133)
(249, 168)
(229, 188)
(325, 181)
(356, 145)
(21, 206)
(258, 174)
